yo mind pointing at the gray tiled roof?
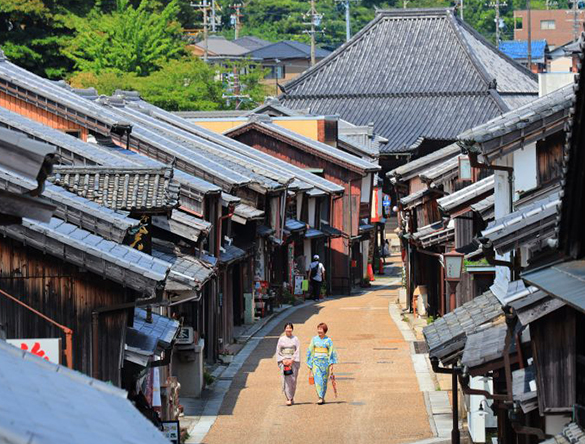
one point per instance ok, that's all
(237, 147)
(73, 209)
(221, 46)
(521, 390)
(467, 196)
(447, 335)
(231, 254)
(162, 328)
(225, 175)
(533, 196)
(333, 154)
(529, 303)
(16, 81)
(550, 111)
(459, 82)
(73, 150)
(286, 50)
(563, 281)
(119, 263)
(81, 409)
(256, 172)
(532, 224)
(128, 189)
(485, 345)
(183, 225)
(442, 173)
(187, 272)
(294, 225)
(359, 144)
(248, 212)
(438, 237)
(485, 208)
(251, 42)
(425, 164)
(571, 434)
(23, 156)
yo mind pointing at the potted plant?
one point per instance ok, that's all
(226, 356)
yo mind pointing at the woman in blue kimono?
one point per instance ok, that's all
(321, 356)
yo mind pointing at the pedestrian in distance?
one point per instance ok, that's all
(288, 352)
(316, 277)
(321, 356)
(386, 250)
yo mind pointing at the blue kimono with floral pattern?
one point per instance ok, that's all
(320, 356)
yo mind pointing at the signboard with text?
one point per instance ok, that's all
(48, 349)
(172, 431)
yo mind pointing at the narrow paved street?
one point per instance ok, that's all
(379, 399)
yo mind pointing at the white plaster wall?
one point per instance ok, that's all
(502, 208)
(366, 188)
(307, 252)
(549, 82)
(525, 169)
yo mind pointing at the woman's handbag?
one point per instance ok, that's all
(287, 370)
(311, 379)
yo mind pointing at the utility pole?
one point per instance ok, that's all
(236, 18)
(575, 20)
(348, 18)
(461, 10)
(213, 19)
(529, 42)
(497, 6)
(204, 7)
(315, 22)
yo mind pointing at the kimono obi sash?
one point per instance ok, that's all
(288, 351)
(324, 350)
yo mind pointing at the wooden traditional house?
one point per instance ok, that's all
(528, 353)
(79, 270)
(350, 254)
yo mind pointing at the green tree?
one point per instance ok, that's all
(182, 85)
(33, 34)
(128, 40)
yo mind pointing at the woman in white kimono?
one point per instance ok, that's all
(288, 352)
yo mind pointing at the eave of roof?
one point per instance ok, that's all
(460, 200)
(319, 149)
(74, 209)
(127, 189)
(517, 128)
(435, 159)
(119, 263)
(532, 224)
(237, 146)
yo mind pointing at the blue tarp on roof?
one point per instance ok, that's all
(518, 49)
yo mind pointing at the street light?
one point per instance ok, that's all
(453, 263)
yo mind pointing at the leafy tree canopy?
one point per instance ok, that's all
(182, 85)
(130, 39)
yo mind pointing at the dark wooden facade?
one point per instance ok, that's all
(68, 296)
(346, 210)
